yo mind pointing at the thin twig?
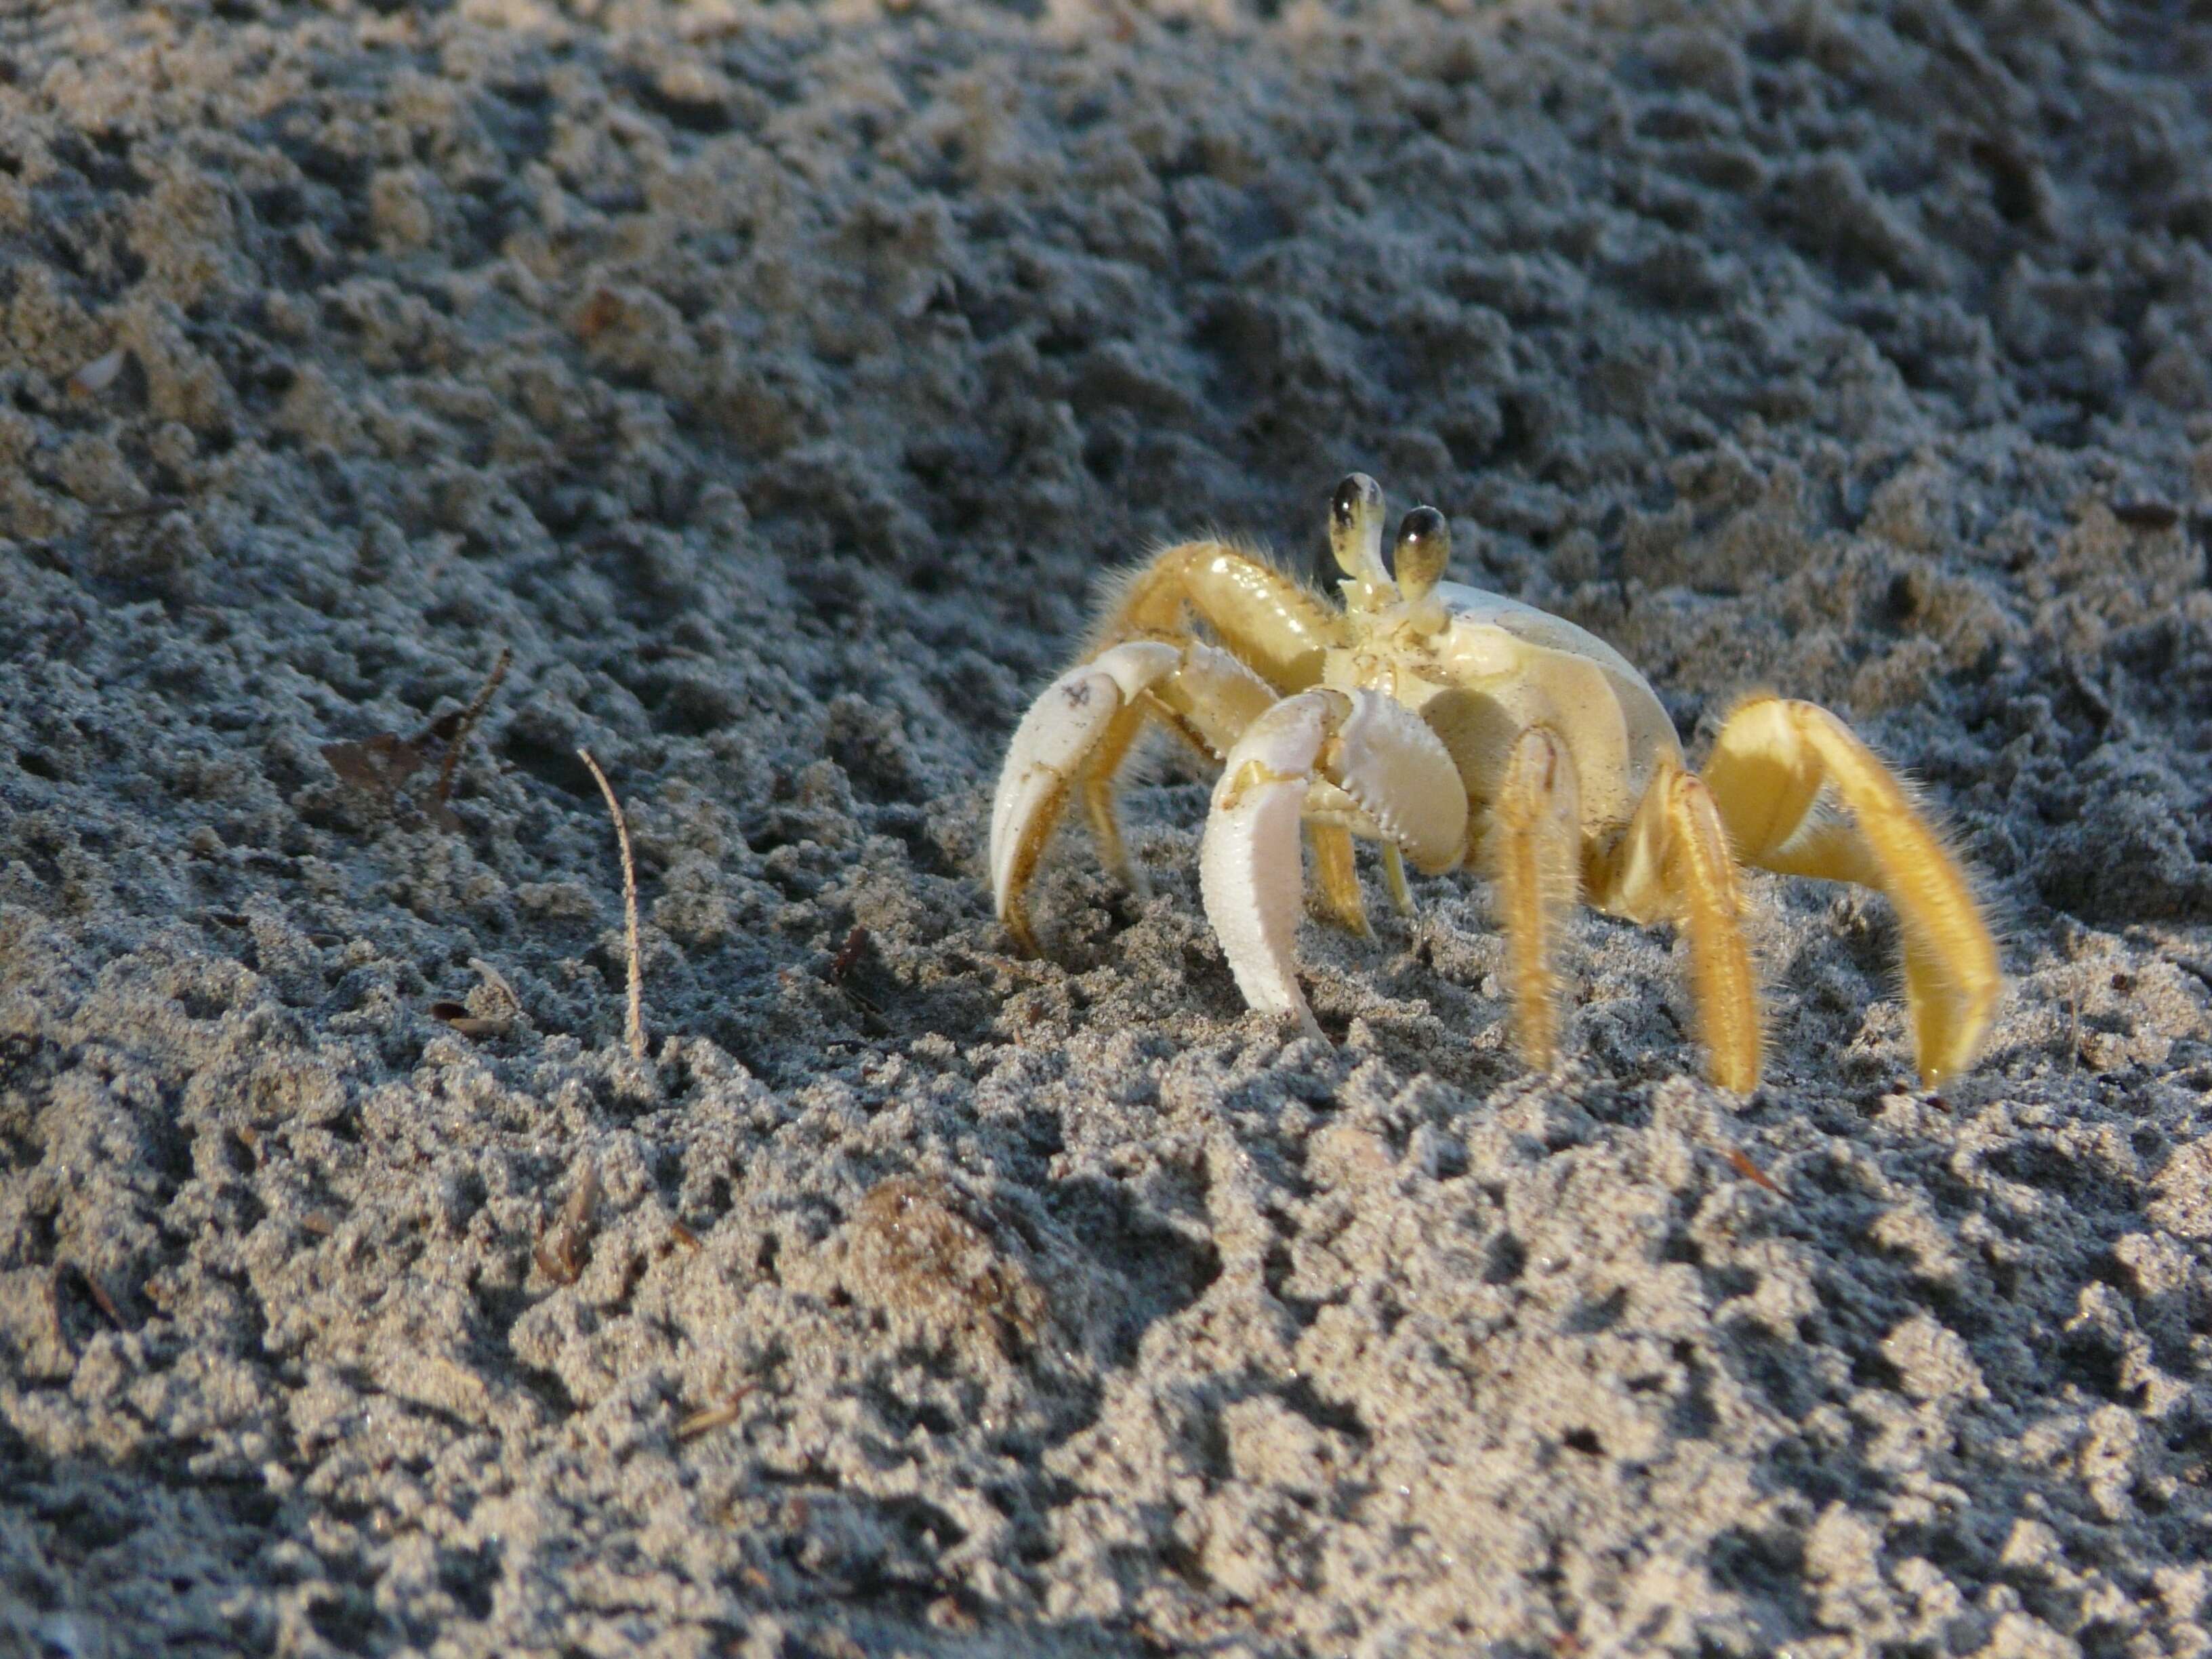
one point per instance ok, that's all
(1740, 1163)
(146, 510)
(630, 908)
(468, 719)
(101, 1299)
(2073, 1025)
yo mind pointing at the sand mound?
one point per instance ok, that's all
(772, 382)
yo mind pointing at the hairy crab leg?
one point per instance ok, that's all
(1381, 755)
(1767, 772)
(1267, 619)
(1339, 877)
(1100, 771)
(1533, 852)
(1675, 863)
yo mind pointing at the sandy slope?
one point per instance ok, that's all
(773, 381)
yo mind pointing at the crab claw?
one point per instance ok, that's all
(1076, 735)
(1327, 751)
(1049, 750)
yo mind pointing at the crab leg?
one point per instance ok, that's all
(1393, 771)
(1767, 772)
(1078, 730)
(1268, 620)
(1676, 864)
(1100, 770)
(1534, 850)
(1339, 877)
(1393, 877)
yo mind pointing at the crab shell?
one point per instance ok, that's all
(1498, 667)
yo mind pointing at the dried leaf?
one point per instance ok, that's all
(380, 766)
(566, 1247)
(848, 954)
(377, 766)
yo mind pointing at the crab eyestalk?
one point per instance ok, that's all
(1423, 549)
(1355, 536)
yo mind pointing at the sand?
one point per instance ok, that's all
(775, 382)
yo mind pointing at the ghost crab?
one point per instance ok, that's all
(1454, 726)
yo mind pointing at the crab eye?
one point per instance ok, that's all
(1354, 492)
(1424, 548)
(1355, 528)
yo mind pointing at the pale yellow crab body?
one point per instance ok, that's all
(1480, 666)
(1456, 726)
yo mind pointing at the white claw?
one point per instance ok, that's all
(1050, 745)
(1251, 871)
(1250, 874)
(1402, 775)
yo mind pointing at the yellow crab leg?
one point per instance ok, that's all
(1099, 772)
(1267, 619)
(1676, 864)
(1534, 851)
(1394, 878)
(1339, 877)
(1767, 772)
